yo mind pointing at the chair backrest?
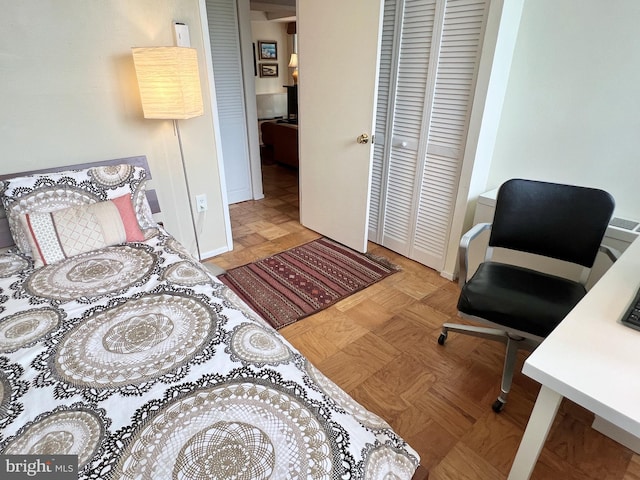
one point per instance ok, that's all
(565, 222)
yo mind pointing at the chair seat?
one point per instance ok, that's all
(519, 298)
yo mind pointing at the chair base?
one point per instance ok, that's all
(513, 343)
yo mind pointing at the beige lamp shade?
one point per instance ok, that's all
(293, 63)
(169, 82)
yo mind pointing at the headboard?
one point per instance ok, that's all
(6, 240)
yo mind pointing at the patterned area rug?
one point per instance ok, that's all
(301, 281)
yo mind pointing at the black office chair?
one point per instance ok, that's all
(558, 221)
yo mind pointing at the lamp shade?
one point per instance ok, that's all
(293, 61)
(169, 82)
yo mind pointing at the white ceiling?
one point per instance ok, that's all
(279, 10)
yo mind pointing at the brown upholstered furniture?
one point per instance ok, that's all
(280, 143)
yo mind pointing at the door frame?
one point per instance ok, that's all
(251, 109)
(206, 40)
(251, 113)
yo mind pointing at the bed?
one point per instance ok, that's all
(126, 352)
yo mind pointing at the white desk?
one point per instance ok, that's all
(590, 358)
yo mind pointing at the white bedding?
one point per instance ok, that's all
(136, 359)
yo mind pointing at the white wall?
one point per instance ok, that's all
(501, 32)
(571, 112)
(265, 30)
(69, 95)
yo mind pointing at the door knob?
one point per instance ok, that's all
(364, 138)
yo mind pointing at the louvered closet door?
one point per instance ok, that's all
(433, 52)
(384, 116)
(222, 17)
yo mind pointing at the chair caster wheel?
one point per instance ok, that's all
(442, 338)
(497, 406)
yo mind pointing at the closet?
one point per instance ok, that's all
(429, 60)
(224, 34)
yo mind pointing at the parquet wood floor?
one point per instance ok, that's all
(380, 346)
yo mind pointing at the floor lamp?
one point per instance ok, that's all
(169, 84)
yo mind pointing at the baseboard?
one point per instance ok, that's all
(214, 269)
(448, 275)
(214, 253)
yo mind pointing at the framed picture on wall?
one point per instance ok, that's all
(255, 64)
(268, 50)
(268, 69)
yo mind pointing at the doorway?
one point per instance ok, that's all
(273, 24)
(250, 48)
(339, 176)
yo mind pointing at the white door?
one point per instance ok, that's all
(338, 49)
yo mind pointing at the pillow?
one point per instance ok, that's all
(128, 217)
(54, 236)
(49, 192)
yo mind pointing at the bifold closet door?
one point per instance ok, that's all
(222, 17)
(430, 54)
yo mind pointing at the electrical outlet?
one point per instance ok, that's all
(201, 203)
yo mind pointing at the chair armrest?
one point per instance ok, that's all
(463, 251)
(610, 252)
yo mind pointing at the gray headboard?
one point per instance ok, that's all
(140, 161)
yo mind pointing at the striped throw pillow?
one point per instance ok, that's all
(55, 236)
